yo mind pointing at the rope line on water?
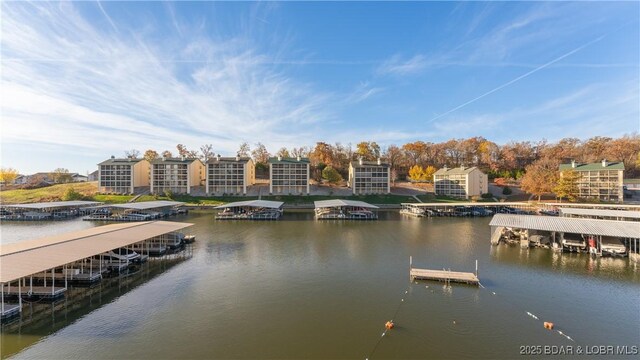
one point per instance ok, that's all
(385, 330)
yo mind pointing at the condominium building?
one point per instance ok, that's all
(178, 175)
(122, 176)
(288, 175)
(369, 177)
(461, 182)
(230, 175)
(602, 181)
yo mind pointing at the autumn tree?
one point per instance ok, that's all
(244, 150)
(415, 152)
(322, 154)
(331, 175)
(541, 177)
(206, 152)
(167, 154)
(395, 158)
(300, 151)
(625, 149)
(283, 152)
(260, 154)
(368, 150)
(182, 150)
(567, 186)
(8, 175)
(61, 176)
(418, 173)
(150, 155)
(428, 173)
(132, 154)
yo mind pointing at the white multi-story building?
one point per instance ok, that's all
(462, 182)
(230, 175)
(288, 175)
(122, 176)
(178, 175)
(602, 181)
(369, 177)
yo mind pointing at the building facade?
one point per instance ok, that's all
(462, 182)
(601, 181)
(122, 176)
(229, 175)
(178, 175)
(369, 177)
(288, 175)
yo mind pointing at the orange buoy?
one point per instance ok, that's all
(548, 325)
(389, 325)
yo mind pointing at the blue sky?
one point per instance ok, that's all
(84, 80)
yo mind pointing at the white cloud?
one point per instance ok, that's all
(396, 65)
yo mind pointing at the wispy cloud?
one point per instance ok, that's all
(362, 92)
(396, 65)
(67, 82)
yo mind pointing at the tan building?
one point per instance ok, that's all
(122, 176)
(462, 182)
(602, 181)
(369, 177)
(178, 175)
(288, 175)
(230, 175)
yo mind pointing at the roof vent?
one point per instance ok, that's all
(279, 158)
(237, 157)
(604, 163)
(182, 158)
(360, 161)
(218, 157)
(379, 161)
(298, 157)
(573, 164)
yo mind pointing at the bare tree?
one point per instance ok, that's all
(132, 154)
(244, 150)
(207, 152)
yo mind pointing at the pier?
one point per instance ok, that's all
(443, 275)
(340, 209)
(140, 211)
(466, 208)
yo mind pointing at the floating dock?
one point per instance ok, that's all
(53, 210)
(443, 275)
(340, 209)
(250, 210)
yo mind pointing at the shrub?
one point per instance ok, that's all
(72, 194)
(168, 194)
(486, 195)
(506, 190)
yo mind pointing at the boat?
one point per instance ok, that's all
(612, 247)
(573, 242)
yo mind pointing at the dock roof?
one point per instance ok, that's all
(53, 204)
(253, 203)
(29, 257)
(624, 229)
(600, 212)
(342, 202)
(146, 205)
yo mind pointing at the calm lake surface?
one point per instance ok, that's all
(300, 288)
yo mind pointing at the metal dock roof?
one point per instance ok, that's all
(599, 212)
(53, 204)
(342, 202)
(469, 204)
(253, 203)
(29, 257)
(624, 229)
(145, 205)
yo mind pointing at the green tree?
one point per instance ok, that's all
(71, 194)
(568, 185)
(8, 175)
(331, 175)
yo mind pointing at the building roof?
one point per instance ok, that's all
(230, 159)
(624, 229)
(593, 166)
(456, 171)
(288, 160)
(174, 160)
(53, 204)
(599, 212)
(253, 203)
(342, 202)
(29, 257)
(356, 164)
(145, 205)
(121, 161)
(595, 206)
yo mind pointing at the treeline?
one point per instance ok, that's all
(507, 161)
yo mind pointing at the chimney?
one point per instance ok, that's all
(573, 164)
(379, 161)
(298, 157)
(237, 157)
(218, 157)
(182, 158)
(360, 161)
(279, 158)
(604, 163)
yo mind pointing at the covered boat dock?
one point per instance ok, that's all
(56, 258)
(602, 214)
(570, 234)
(54, 210)
(344, 210)
(465, 208)
(137, 211)
(250, 210)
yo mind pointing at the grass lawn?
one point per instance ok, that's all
(429, 198)
(49, 193)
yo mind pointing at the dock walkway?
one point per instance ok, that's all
(442, 275)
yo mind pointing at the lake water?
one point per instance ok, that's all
(300, 288)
